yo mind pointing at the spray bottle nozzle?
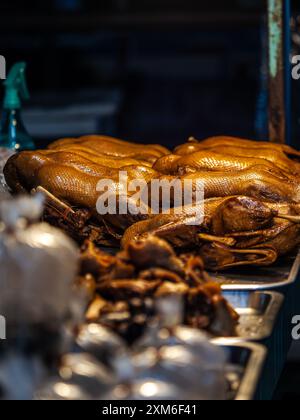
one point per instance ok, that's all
(13, 133)
(16, 87)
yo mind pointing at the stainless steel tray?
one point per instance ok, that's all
(258, 312)
(244, 368)
(279, 275)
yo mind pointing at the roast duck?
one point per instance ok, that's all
(251, 194)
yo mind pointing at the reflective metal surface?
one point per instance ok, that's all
(281, 274)
(258, 313)
(246, 361)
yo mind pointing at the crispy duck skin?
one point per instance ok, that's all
(274, 153)
(255, 183)
(274, 156)
(236, 231)
(173, 228)
(102, 160)
(66, 176)
(214, 161)
(176, 228)
(70, 170)
(69, 179)
(73, 178)
(238, 214)
(109, 146)
(222, 217)
(194, 145)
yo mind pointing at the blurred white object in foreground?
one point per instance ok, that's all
(38, 265)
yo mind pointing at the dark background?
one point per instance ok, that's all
(154, 70)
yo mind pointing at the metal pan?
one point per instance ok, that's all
(244, 368)
(279, 275)
(258, 313)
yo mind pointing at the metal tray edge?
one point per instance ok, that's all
(250, 380)
(270, 286)
(269, 317)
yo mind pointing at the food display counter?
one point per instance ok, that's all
(156, 273)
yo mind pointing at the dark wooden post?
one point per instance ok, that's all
(279, 13)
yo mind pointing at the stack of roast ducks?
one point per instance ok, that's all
(251, 202)
(250, 208)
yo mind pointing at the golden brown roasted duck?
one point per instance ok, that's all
(67, 176)
(194, 145)
(276, 154)
(68, 173)
(278, 158)
(72, 174)
(109, 146)
(255, 182)
(213, 161)
(251, 216)
(223, 218)
(97, 158)
(235, 231)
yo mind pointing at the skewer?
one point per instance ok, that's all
(54, 202)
